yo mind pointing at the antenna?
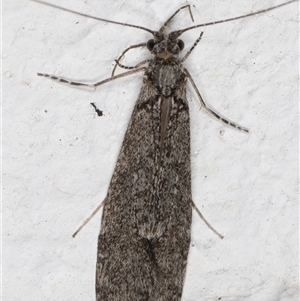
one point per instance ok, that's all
(92, 17)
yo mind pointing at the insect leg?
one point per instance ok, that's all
(89, 218)
(177, 11)
(132, 67)
(95, 85)
(192, 48)
(226, 121)
(123, 53)
(205, 221)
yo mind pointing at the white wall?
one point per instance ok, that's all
(59, 155)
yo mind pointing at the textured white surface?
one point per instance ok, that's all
(59, 155)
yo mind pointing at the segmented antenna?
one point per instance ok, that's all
(92, 17)
(232, 19)
(179, 32)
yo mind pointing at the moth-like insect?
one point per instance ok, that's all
(144, 239)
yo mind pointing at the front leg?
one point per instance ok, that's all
(95, 85)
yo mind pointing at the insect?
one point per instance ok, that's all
(145, 229)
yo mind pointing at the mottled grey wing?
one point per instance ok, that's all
(145, 229)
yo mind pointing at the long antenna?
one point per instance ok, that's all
(232, 19)
(92, 17)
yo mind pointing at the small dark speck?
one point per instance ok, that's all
(99, 112)
(46, 111)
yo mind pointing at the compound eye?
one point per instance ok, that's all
(180, 44)
(150, 44)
